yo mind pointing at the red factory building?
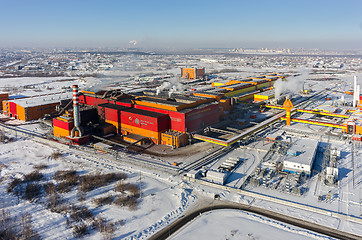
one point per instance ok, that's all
(164, 119)
(158, 118)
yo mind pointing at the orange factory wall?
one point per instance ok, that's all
(155, 136)
(20, 111)
(5, 106)
(60, 132)
(188, 73)
(358, 129)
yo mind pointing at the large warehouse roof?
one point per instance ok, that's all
(43, 100)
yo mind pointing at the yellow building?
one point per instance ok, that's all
(192, 73)
(173, 138)
(263, 96)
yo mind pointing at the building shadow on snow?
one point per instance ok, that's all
(342, 173)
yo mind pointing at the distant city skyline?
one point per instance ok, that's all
(324, 24)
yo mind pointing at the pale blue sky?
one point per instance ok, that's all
(182, 24)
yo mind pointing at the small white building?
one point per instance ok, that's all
(216, 177)
(300, 156)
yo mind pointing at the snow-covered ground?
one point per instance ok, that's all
(236, 224)
(163, 200)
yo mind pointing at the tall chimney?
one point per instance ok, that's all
(355, 91)
(77, 127)
(357, 94)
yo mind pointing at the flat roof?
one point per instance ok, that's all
(43, 100)
(306, 149)
(266, 93)
(143, 112)
(182, 98)
(160, 101)
(204, 105)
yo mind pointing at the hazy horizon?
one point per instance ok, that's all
(188, 24)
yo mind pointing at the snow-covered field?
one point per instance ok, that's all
(235, 224)
(162, 199)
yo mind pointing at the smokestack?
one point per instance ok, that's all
(357, 94)
(354, 91)
(76, 113)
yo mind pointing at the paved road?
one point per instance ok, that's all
(172, 228)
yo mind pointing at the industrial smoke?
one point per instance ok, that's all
(291, 86)
(173, 85)
(133, 42)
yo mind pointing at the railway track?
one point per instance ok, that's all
(206, 159)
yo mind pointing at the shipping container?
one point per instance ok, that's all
(173, 138)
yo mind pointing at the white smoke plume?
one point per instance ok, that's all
(292, 85)
(173, 85)
(133, 42)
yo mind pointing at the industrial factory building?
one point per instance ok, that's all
(27, 109)
(193, 73)
(163, 117)
(300, 156)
